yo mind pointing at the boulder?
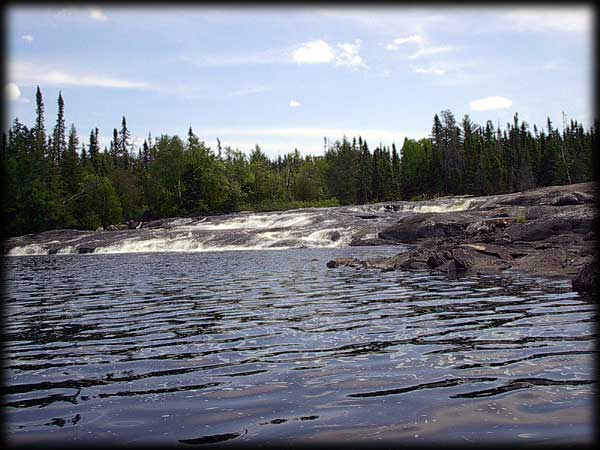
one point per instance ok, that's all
(586, 279)
(112, 228)
(568, 198)
(132, 224)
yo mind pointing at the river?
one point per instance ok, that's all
(254, 346)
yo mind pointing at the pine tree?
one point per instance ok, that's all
(123, 148)
(40, 129)
(94, 151)
(59, 143)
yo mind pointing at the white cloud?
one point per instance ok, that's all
(97, 14)
(12, 92)
(314, 52)
(294, 103)
(490, 103)
(429, 70)
(29, 74)
(550, 19)
(396, 43)
(311, 52)
(320, 52)
(427, 51)
(27, 38)
(348, 55)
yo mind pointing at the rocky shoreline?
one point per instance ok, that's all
(545, 231)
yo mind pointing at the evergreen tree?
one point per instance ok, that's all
(59, 143)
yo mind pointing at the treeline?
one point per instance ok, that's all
(52, 180)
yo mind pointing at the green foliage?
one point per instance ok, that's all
(98, 204)
(52, 183)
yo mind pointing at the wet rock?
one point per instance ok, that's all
(334, 236)
(488, 225)
(362, 242)
(435, 260)
(132, 224)
(112, 228)
(99, 229)
(449, 268)
(337, 262)
(534, 212)
(578, 220)
(566, 199)
(367, 216)
(586, 279)
(82, 250)
(423, 225)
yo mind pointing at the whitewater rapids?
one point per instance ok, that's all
(300, 228)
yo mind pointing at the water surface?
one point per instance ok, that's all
(271, 346)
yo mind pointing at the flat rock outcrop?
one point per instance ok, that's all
(546, 231)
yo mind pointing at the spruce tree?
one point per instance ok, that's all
(58, 136)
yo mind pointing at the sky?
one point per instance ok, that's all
(285, 78)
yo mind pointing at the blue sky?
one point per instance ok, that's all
(286, 77)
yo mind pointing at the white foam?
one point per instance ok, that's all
(426, 206)
(28, 250)
(256, 221)
(156, 245)
(66, 250)
(456, 205)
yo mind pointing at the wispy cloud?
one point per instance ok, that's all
(248, 91)
(550, 19)
(396, 43)
(429, 70)
(28, 74)
(294, 103)
(313, 132)
(27, 38)
(97, 14)
(306, 139)
(551, 66)
(234, 59)
(490, 103)
(428, 51)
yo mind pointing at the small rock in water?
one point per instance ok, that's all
(337, 262)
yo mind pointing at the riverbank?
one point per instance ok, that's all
(546, 231)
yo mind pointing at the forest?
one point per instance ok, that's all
(52, 180)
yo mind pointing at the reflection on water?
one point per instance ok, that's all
(271, 345)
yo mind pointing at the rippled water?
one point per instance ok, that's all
(271, 346)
